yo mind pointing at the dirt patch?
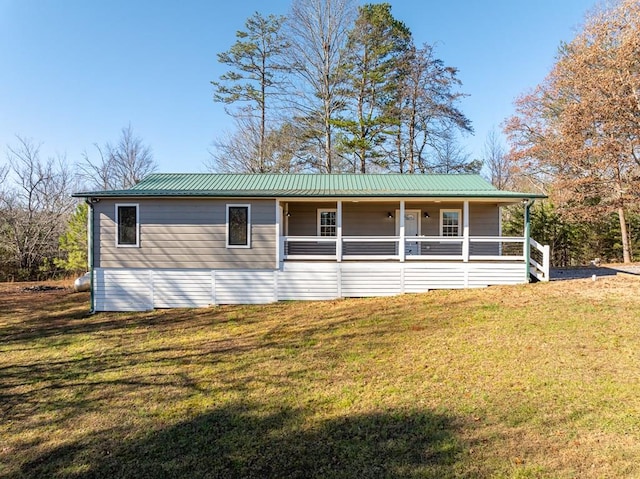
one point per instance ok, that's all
(32, 296)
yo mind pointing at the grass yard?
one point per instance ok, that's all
(538, 381)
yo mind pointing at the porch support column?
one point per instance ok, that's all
(339, 231)
(465, 231)
(527, 242)
(279, 242)
(402, 243)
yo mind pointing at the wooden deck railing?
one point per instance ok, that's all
(418, 248)
(539, 260)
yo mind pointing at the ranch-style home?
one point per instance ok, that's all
(191, 240)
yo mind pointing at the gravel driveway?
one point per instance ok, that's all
(558, 274)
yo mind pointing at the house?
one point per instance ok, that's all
(190, 240)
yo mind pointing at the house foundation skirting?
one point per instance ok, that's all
(122, 289)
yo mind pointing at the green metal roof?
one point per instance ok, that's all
(309, 185)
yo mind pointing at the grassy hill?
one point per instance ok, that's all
(515, 382)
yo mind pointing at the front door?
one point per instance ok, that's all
(411, 228)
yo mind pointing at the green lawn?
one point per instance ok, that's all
(507, 382)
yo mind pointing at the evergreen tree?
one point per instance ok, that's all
(376, 45)
(73, 243)
(255, 77)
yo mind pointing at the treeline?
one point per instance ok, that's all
(332, 87)
(572, 241)
(43, 230)
(577, 134)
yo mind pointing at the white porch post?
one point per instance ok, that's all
(279, 244)
(465, 231)
(401, 244)
(339, 231)
(527, 240)
(546, 262)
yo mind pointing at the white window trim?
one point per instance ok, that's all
(451, 210)
(137, 244)
(319, 213)
(232, 246)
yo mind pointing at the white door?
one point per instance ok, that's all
(411, 228)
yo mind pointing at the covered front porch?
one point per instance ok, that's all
(419, 230)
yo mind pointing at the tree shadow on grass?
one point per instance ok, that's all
(244, 441)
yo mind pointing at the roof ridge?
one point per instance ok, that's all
(391, 173)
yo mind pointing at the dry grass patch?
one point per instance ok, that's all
(530, 381)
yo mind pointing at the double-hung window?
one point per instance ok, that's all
(238, 226)
(327, 222)
(450, 222)
(128, 225)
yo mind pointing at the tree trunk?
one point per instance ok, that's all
(626, 250)
(327, 143)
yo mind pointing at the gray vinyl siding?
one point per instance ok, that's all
(371, 218)
(185, 233)
(368, 219)
(484, 220)
(303, 220)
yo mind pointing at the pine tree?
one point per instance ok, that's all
(73, 243)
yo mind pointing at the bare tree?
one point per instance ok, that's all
(4, 171)
(580, 126)
(318, 33)
(450, 158)
(34, 206)
(496, 161)
(237, 151)
(118, 166)
(425, 105)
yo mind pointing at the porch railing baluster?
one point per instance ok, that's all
(430, 248)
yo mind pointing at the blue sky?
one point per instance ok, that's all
(75, 72)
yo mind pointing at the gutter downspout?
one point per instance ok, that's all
(527, 237)
(90, 252)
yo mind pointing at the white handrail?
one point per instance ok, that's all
(541, 271)
(496, 239)
(310, 239)
(370, 239)
(439, 239)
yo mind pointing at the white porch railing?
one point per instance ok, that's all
(539, 260)
(418, 248)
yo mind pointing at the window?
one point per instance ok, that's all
(238, 226)
(327, 222)
(450, 222)
(127, 225)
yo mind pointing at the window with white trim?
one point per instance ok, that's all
(450, 222)
(238, 226)
(127, 225)
(327, 224)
